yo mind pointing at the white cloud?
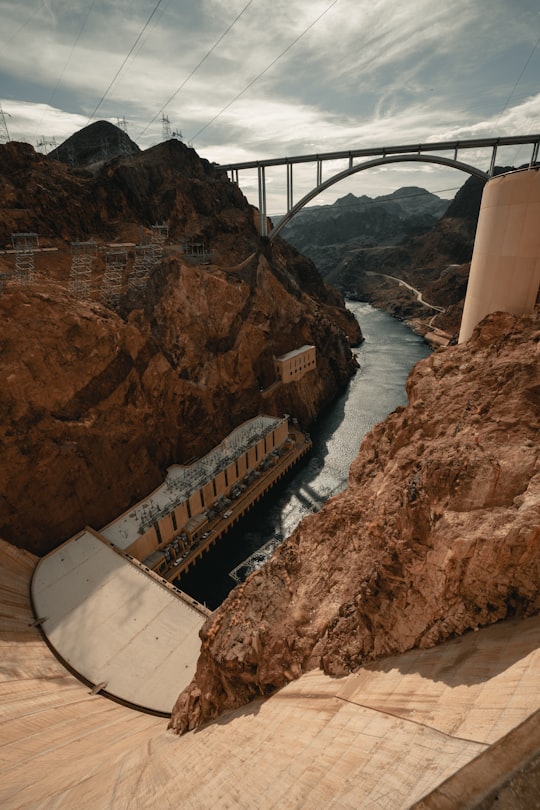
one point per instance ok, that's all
(369, 72)
(30, 122)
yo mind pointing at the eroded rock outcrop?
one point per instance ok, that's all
(437, 534)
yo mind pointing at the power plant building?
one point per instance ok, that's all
(183, 505)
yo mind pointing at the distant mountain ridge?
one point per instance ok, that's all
(366, 221)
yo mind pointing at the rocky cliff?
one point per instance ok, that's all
(98, 400)
(436, 534)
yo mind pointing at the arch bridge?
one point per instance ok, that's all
(362, 159)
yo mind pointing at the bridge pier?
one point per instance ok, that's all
(505, 268)
(493, 158)
(290, 202)
(263, 221)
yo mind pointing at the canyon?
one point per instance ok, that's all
(436, 535)
(100, 400)
(423, 574)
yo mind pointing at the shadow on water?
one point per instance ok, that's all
(389, 351)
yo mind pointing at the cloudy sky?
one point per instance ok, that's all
(245, 80)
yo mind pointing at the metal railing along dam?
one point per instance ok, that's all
(362, 159)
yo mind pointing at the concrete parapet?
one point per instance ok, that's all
(505, 268)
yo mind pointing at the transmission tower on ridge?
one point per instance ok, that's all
(165, 128)
(166, 132)
(121, 123)
(4, 133)
(25, 244)
(80, 279)
(123, 143)
(45, 143)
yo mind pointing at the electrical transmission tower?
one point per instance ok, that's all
(111, 287)
(4, 132)
(165, 128)
(160, 234)
(45, 143)
(166, 132)
(25, 244)
(123, 143)
(80, 279)
(105, 149)
(142, 267)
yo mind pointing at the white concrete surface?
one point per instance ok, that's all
(115, 624)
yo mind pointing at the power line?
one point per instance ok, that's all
(525, 66)
(267, 68)
(29, 17)
(76, 42)
(205, 57)
(141, 32)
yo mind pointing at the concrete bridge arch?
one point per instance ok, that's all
(429, 152)
(370, 164)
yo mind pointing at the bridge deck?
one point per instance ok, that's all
(372, 157)
(400, 149)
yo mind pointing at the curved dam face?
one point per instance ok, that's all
(321, 742)
(126, 633)
(505, 267)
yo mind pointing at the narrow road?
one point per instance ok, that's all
(402, 283)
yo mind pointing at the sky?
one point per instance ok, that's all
(246, 79)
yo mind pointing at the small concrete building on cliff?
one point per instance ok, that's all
(294, 364)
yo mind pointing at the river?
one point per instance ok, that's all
(386, 356)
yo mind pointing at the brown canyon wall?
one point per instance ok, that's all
(95, 402)
(437, 534)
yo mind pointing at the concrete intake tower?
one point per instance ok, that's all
(505, 268)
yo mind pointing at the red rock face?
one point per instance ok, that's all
(437, 534)
(96, 403)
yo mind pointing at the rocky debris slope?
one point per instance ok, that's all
(437, 534)
(97, 401)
